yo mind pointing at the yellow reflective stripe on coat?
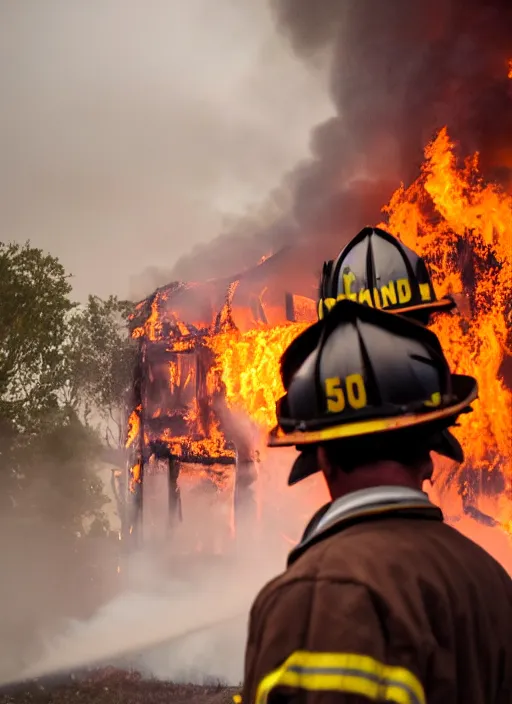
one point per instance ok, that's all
(346, 673)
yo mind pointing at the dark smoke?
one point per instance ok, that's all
(400, 70)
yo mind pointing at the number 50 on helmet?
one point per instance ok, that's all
(376, 269)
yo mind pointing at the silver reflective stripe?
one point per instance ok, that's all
(366, 498)
(352, 672)
(344, 674)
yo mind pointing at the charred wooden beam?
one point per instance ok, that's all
(131, 513)
(134, 503)
(175, 510)
(257, 310)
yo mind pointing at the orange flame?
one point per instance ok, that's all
(135, 477)
(447, 205)
(133, 426)
(248, 364)
(446, 210)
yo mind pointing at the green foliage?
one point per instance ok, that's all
(55, 473)
(100, 356)
(57, 362)
(47, 347)
(34, 305)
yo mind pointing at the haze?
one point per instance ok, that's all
(129, 130)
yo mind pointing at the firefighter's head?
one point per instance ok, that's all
(376, 269)
(366, 386)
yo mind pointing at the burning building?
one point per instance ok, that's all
(181, 410)
(211, 350)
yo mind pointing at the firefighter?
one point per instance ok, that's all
(381, 601)
(376, 269)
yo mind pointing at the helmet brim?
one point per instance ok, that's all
(464, 391)
(442, 304)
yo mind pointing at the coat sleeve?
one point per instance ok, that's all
(317, 642)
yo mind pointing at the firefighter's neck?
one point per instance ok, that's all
(369, 476)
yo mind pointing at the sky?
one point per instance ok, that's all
(131, 129)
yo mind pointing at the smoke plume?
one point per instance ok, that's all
(399, 71)
(176, 614)
(129, 128)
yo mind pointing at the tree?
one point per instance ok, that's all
(100, 358)
(57, 465)
(42, 442)
(34, 305)
(54, 534)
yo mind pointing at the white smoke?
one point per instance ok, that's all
(183, 615)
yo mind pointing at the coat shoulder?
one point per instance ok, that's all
(365, 552)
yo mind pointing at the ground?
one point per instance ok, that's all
(117, 687)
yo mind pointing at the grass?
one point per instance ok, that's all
(111, 686)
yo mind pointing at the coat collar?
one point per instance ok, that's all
(363, 505)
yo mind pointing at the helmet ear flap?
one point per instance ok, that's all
(325, 281)
(320, 309)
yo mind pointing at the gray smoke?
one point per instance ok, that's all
(400, 71)
(179, 613)
(129, 128)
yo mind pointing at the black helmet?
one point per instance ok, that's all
(361, 372)
(375, 268)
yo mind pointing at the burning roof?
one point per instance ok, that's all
(283, 286)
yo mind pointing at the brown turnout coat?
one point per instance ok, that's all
(382, 601)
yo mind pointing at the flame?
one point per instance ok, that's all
(174, 376)
(203, 437)
(133, 426)
(462, 226)
(510, 68)
(135, 477)
(447, 205)
(446, 211)
(154, 324)
(248, 364)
